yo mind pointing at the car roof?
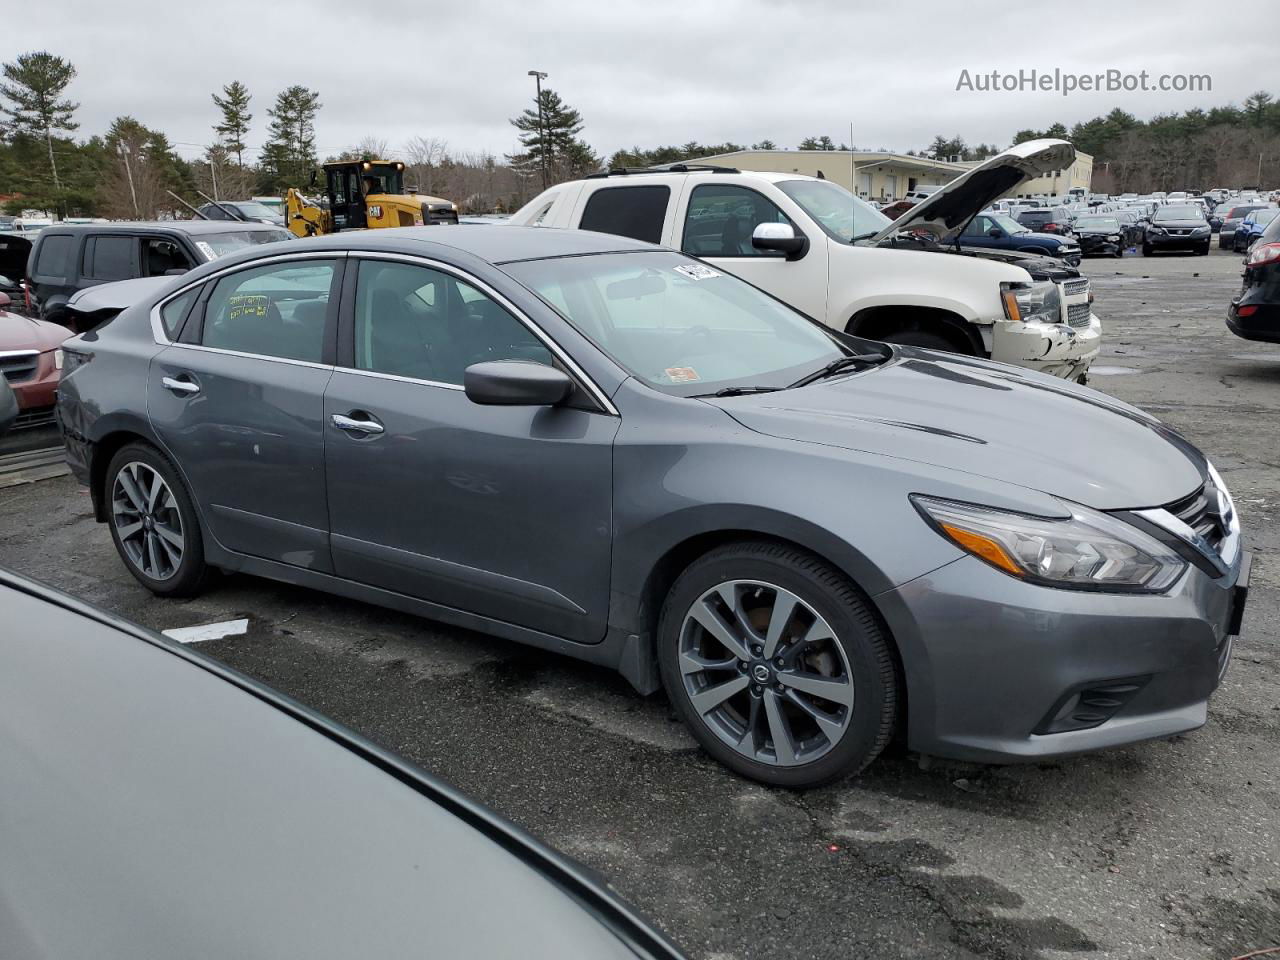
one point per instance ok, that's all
(496, 243)
(193, 227)
(192, 805)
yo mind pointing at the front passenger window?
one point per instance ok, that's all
(274, 311)
(721, 219)
(417, 322)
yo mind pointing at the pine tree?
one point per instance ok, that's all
(291, 149)
(234, 104)
(33, 85)
(555, 139)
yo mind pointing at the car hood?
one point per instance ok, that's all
(1042, 237)
(974, 191)
(1098, 231)
(991, 420)
(23, 333)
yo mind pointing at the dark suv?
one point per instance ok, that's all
(68, 258)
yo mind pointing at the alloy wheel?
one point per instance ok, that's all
(766, 673)
(147, 521)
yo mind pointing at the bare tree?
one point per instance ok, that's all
(428, 160)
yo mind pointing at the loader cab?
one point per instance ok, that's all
(348, 183)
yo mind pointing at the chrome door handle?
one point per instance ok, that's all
(356, 426)
(180, 386)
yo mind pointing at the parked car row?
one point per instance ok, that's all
(1254, 314)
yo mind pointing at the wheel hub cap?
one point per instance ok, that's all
(147, 522)
(765, 673)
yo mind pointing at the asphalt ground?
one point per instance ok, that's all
(1168, 849)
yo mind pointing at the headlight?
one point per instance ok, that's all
(1088, 551)
(1113, 237)
(1199, 231)
(1031, 301)
(1154, 229)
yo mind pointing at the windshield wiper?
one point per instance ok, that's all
(839, 364)
(863, 236)
(737, 391)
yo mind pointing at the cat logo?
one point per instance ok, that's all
(375, 211)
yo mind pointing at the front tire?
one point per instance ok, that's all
(154, 523)
(777, 665)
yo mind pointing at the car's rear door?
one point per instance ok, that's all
(238, 403)
(501, 512)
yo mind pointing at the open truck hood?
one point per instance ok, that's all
(972, 192)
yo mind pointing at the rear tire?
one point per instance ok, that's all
(1146, 249)
(829, 703)
(923, 338)
(153, 522)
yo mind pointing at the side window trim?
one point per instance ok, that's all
(346, 327)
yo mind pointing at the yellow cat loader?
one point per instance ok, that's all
(364, 194)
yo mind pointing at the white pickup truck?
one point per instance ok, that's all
(812, 244)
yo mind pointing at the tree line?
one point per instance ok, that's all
(129, 171)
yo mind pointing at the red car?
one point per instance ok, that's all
(31, 361)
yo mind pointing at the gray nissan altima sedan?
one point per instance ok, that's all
(614, 451)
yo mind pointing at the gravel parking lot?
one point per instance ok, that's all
(1168, 849)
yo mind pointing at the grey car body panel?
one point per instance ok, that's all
(156, 804)
(975, 425)
(505, 511)
(563, 540)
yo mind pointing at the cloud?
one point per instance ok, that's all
(660, 72)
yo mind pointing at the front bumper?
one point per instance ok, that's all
(1057, 349)
(1100, 246)
(36, 394)
(1164, 241)
(993, 664)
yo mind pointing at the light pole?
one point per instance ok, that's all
(538, 77)
(124, 149)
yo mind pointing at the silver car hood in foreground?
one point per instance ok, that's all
(977, 189)
(991, 420)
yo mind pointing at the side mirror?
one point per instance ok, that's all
(781, 237)
(516, 383)
(995, 232)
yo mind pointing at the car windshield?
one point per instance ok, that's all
(214, 245)
(837, 211)
(1008, 224)
(1097, 223)
(1263, 216)
(1180, 212)
(679, 325)
(1235, 213)
(252, 208)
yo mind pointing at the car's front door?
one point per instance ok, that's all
(239, 407)
(504, 512)
(717, 225)
(982, 231)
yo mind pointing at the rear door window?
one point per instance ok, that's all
(636, 212)
(53, 259)
(160, 255)
(109, 258)
(278, 310)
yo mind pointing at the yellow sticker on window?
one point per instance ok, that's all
(247, 305)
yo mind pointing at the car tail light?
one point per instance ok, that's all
(1248, 311)
(1264, 253)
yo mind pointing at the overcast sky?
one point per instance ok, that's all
(646, 73)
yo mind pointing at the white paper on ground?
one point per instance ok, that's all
(208, 631)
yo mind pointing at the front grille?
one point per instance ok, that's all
(1078, 314)
(1199, 512)
(18, 367)
(34, 417)
(1075, 287)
